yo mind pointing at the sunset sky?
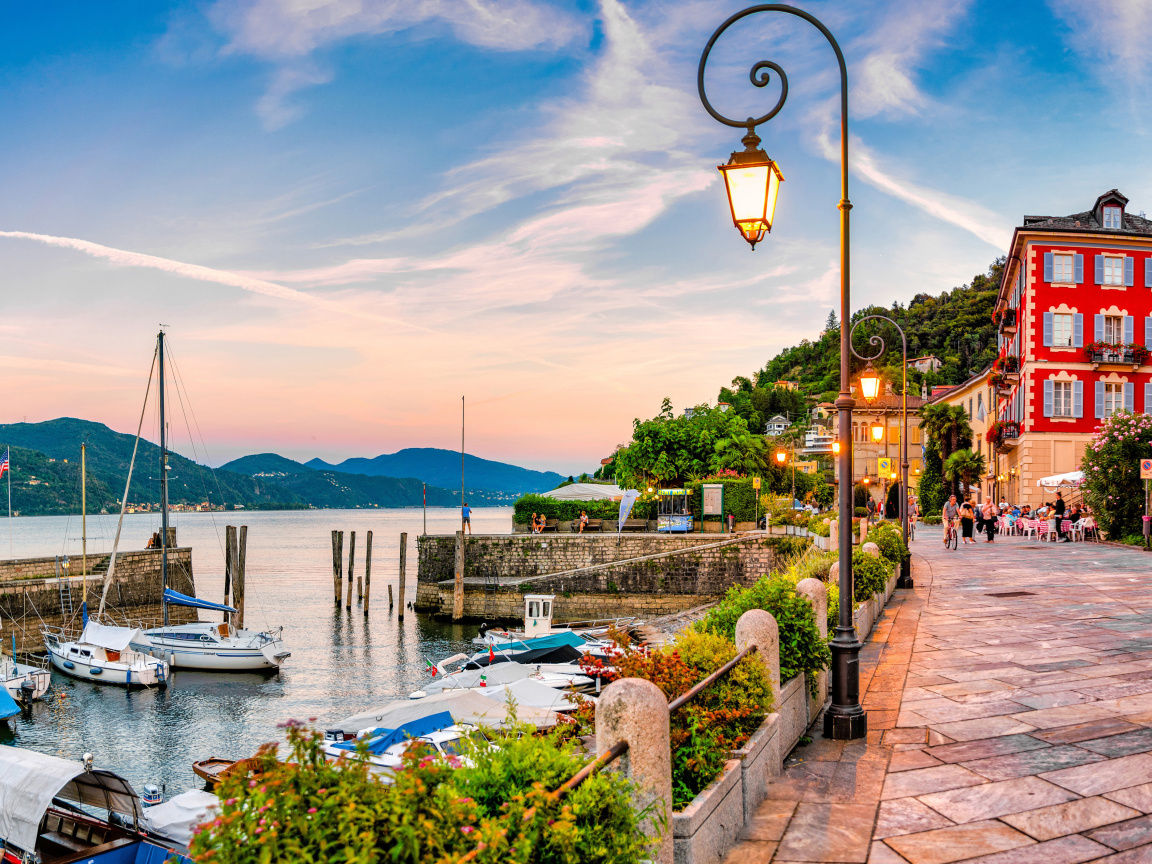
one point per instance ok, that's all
(349, 213)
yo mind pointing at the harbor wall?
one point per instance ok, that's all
(32, 594)
(592, 576)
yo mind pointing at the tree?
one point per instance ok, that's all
(948, 430)
(741, 451)
(892, 502)
(1111, 465)
(931, 487)
(831, 323)
(964, 467)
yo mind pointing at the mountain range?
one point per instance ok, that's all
(45, 466)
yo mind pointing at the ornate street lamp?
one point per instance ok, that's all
(781, 456)
(752, 181)
(877, 431)
(845, 718)
(869, 384)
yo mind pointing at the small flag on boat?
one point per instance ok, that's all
(4, 462)
(431, 667)
(491, 655)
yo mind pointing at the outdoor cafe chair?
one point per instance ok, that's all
(1026, 526)
(1043, 528)
(1072, 529)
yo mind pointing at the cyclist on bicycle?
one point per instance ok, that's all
(951, 517)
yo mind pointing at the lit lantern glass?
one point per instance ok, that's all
(752, 181)
(781, 456)
(877, 432)
(869, 384)
(836, 448)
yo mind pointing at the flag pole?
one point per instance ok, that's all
(8, 462)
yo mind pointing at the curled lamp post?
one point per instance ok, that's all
(752, 200)
(870, 383)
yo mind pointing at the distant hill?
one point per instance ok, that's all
(338, 489)
(109, 454)
(442, 468)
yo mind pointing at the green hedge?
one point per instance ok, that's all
(522, 510)
(890, 539)
(870, 574)
(739, 498)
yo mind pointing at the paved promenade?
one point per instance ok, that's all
(1010, 720)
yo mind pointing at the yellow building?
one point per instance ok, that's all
(887, 409)
(978, 399)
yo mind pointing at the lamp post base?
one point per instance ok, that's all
(905, 580)
(845, 727)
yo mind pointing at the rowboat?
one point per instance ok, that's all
(215, 769)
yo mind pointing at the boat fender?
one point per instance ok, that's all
(95, 670)
(68, 664)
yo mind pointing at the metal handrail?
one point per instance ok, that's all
(681, 701)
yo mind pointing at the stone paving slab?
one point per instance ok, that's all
(1002, 730)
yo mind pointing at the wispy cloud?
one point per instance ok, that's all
(1113, 35)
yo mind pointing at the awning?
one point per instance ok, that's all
(1071, 480)
(29, 781)
(178, 599)
(585, 492)
(112, 638)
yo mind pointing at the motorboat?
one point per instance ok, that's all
(384, 747)
(586, 636)
(212, 646)
(104, 654)
(24, 682)
(469, 675)
(42, 820)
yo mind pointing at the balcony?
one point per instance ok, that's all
(1009, 436)
(1008, 322)
(1116, 357)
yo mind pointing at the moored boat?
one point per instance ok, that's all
(24, 682)
(103, 653)
(216, 768)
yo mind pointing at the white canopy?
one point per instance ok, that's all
(465, 706)
(497, 673)
(1071, 480)
(113, 638)
(178, 816)
(531, 693)
(29, 781)
(585, 492)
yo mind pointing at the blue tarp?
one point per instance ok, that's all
(178, 599)
(553, 640)
(8, 706)
(381, 739)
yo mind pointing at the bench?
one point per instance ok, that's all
(64, 841)
(635, 525)
(596, 525)
(551, 526)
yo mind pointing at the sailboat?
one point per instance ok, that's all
(201, 644)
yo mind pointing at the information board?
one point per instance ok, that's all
(712, 495)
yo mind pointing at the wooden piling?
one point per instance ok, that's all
(368, 572)
(239, 577)
(403, 555)
(351, 563)
(337, 564)
(458, 589)
(229, 559)
(389, 596)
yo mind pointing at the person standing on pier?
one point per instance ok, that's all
(466, 518)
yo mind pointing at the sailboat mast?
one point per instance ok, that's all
(163, 486)
(84, 520)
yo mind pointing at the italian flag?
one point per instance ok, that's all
(431, 667)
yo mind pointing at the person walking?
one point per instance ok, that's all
(1058, 508)
(466, 517)
(991, 516)
(967, 521)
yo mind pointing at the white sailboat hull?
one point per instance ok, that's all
(16, 676)
(250, 652)
(139, 671)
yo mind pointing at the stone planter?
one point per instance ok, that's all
(760, 762)
(792, 706)
(778, 530)
(708, 827)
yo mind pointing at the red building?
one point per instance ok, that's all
(1075, 315)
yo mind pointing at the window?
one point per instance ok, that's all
(1061, 331)
(1061, 268)
(1113, 328)
(1113, 271)
(1113, 399)
(1111, 217)
(1062, 399)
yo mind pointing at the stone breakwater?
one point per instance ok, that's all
(32, 594)
(592, 576)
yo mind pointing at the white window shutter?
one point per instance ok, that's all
(1148, 272)
(1099, 400)
(1078, 398)
(1098, 334)
(1078, 268)
(1048, 397)
(1128, 388)
(1148, 398)
(1129, 322)
(1047, 329)
(1147, 332)
(1078, 330)
(1047, 266)
(1129, 266)
(1099, 269)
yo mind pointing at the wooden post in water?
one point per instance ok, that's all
(351, 563)
(458, 589)
(389, 596)
(229, 560)
(403, 555)
(368, 572)
(337, 564)
(238, 578)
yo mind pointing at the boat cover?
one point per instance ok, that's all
(465, 706)
(552, 640)
(8, 706)
(178, 599)
(176, 818)
(112, 638)
(29, 781)
(558, 654)
(501, 673)
(531, 693)
(382, 738)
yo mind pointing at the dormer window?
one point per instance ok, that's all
(1111, 216)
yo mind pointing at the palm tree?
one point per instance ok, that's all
(948, 431)
(964, 466)
(742, 451)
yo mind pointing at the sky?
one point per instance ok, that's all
(350, 214)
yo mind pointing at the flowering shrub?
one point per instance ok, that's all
(309, 809)
(1008, 363)
(1112, 484)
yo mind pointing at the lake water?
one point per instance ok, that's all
(342, 662)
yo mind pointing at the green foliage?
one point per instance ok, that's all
(788, 546)
(870, 575)
(1111, 465)
(644, 508)
(801, 647)
(947, 430)
(860, 495)
(892, 501)
(434, 810)
(888, 536)
(965, 467)
(824, 494)
(860, 512)
(931, 487)
(936, 519)
(739, 497)
(758, 403)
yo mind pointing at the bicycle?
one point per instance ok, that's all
(952, 537)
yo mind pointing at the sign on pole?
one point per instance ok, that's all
(1146, 469)
(884, 467)
(756, 483)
